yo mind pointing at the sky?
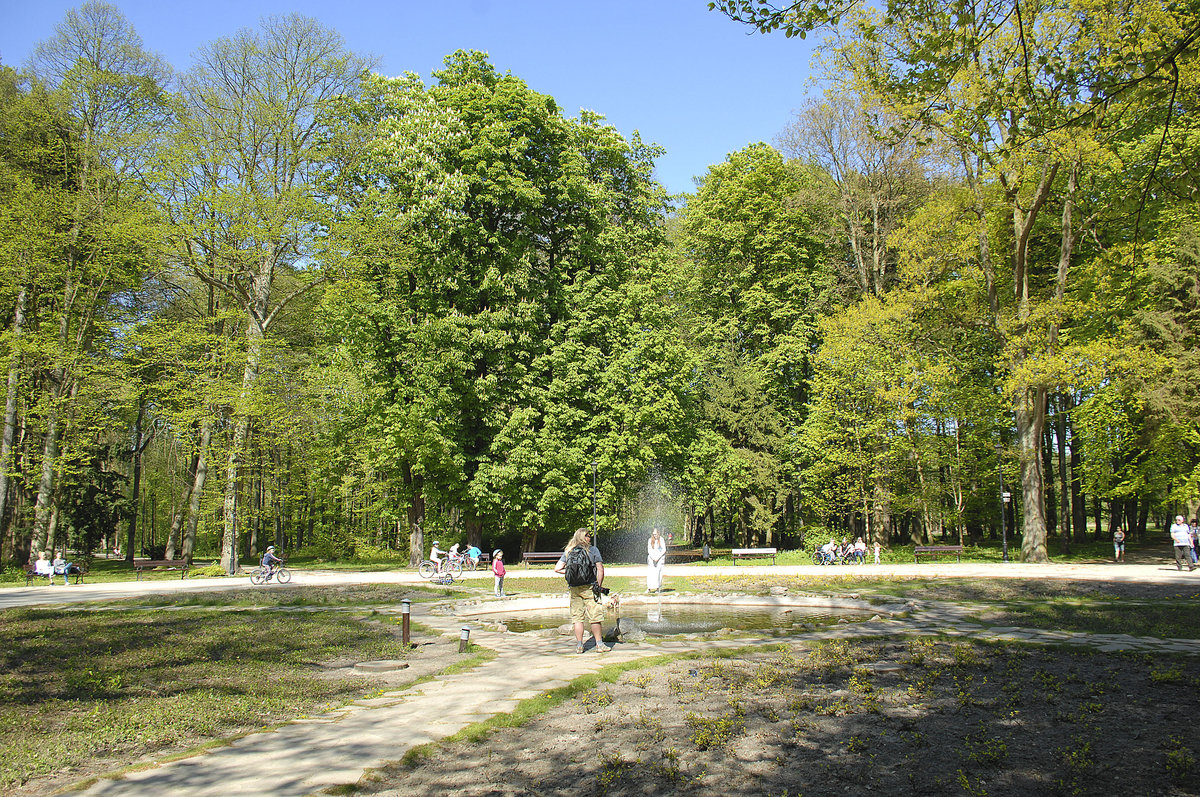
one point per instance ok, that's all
(688, 79)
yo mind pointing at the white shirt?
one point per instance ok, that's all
(1181, 534)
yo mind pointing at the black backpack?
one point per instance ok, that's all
(579, 570)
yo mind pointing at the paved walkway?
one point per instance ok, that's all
(1159, 573)
(334, 749)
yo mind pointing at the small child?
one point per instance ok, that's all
(268, 561)
(498, 571)
(877, 553)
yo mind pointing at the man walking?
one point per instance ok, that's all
(583, 567)
(1181, 538)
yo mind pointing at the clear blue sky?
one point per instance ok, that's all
(685, 77)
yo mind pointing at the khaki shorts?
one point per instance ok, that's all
(584, 607)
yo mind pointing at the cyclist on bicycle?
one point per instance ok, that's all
(268, 561)
(435, 554)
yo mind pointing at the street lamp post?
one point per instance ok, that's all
(1005, 497)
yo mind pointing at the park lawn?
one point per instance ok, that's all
(349, 596)
(78, 687)
(109, 687)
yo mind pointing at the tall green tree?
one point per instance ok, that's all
(111, 95)
(1031, 97)
(873, 183)
(242, 189)
(493, 237)
(758, 279)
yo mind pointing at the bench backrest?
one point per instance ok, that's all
(764, 551)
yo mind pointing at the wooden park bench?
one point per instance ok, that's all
(937, 550)
(535, 557)
(744, 553)
(684, 554)
(140, 565)
(79, 571)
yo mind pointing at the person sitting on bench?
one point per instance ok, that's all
(42, 567)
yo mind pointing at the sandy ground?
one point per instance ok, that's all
(891, 717)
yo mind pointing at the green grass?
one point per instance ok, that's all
(75, 686)
(301, 596)
(130, 681)
(1177, 619)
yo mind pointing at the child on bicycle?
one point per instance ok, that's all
(268, 561)
(435, 555)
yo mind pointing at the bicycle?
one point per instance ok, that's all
(468, 563)
(261, 575)
(819, 557)
(429, 569)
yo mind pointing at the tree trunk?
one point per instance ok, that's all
(1064, 480)
(416, 516)
(473, 525)
(197, 490)
(43, 506)
(237, 448)
(1030, 414)
(881, 527)
(1078, 505)
(10, 422)
(926, 536)
(135, 455)
(1049, 476)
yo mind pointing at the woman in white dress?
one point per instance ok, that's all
(656, 557)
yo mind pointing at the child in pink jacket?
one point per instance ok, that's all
(498, 571)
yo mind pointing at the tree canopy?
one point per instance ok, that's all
(275, 298)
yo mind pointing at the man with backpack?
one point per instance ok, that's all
(582, 566)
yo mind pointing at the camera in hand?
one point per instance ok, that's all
(598, 590)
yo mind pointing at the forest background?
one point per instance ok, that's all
(279, 299)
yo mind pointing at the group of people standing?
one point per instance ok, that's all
(1184, 537)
